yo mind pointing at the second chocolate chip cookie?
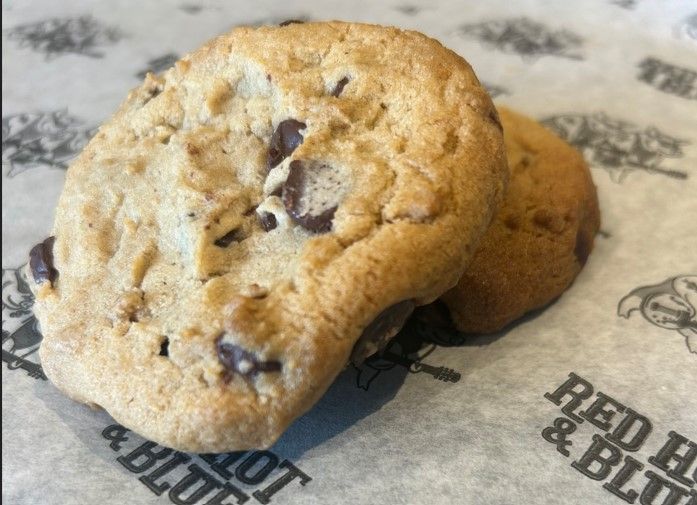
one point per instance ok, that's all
(539, 240)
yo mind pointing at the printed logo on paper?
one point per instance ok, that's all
(157, 65)
(275, 21)
(20, 330)
(83, 35)
(494, 90)
(410, 349)
(687, 28)
(190, 8)
(525, 37)
(211, 479)
(409, 10)
(625, 4)
(618, 146)
(617, 432)
(668, 78)
(42, 139)
(671, 305)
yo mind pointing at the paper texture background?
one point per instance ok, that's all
(617, 78)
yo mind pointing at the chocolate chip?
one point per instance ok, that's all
(378, 333)
(284, 141)
(164, 347)
(267, 221)
(583, 247)
(312, 193)
(340, 86)
(237, 360)
(41, 261)
(291, 22)
(228, 238)
(152, 92)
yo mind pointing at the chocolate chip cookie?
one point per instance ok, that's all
(244, 221)
(539, 240)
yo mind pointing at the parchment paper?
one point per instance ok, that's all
(460, 422)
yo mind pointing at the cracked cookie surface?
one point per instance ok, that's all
(539, 240)
(227, 237)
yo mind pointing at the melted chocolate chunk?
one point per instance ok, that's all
(340, 86)
(284, 141)
(267, 221)
(41, 262)
(291, 22)
(583, 247)
(237, 360)
(312, 193)
(378, 333)
(164, 347)
(228, 238)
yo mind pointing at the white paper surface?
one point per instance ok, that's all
(617, 78)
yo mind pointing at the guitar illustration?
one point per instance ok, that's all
(414, 343)
(14, 362)
(440, 373)
(662, 315)
(671, 305)
(20, 330)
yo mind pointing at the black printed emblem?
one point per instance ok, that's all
(687, 27)
(83, 35)
(409, 349)
(190, 8)
(618, 146)
(20, 331)
(276, 21)
(525, 37)
(671, 305)
(157, 65)
(494, 90)
(669, 78)
(625, 4)
(42, 139)
(409, 10)
(204, 478)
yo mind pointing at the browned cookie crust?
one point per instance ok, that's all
(225, 239)
(540, 238)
